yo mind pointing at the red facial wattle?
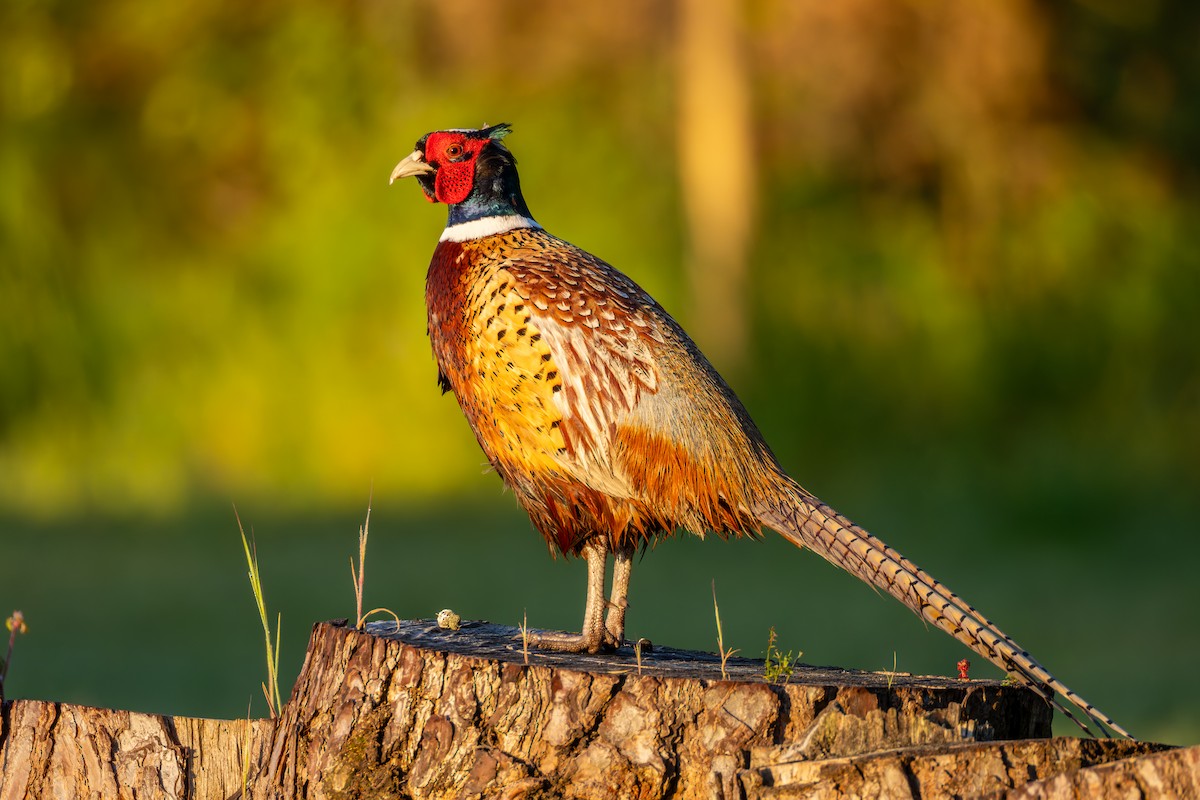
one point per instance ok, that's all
(453, 154)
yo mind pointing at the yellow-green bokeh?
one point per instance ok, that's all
(974, 246)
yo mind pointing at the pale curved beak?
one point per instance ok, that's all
(412, 164)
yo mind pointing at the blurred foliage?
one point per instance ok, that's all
(978, 222)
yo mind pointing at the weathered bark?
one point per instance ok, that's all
(421, 712)
(957, 770)
(432, 713)
(61, 750)
(1173, 774)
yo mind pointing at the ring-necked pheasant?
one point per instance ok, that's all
(606, 421)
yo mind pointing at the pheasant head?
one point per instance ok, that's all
(469, 170)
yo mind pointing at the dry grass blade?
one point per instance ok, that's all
(359, 577)
(363, 619)
(525, 635)
(725, 654)
(246, 743)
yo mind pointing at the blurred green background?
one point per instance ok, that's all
(948, 254)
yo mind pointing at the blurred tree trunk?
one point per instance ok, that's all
(717, 172)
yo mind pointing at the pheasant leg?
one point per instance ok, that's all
(618, 604)
(592, 638)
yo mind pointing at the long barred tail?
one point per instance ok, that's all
(807, 522)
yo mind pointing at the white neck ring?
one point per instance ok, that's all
(485, 226)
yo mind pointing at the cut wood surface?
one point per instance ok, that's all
(421, 712)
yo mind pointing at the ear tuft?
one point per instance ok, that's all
(496, 132)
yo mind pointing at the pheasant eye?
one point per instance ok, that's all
(454, 151)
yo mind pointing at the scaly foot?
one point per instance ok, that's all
(570, 642)
(614, 623)
(618, 604)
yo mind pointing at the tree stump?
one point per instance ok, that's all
(58, 750)
(439, 713)
(414, 711)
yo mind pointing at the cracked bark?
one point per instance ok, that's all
(421, 712)
(60, 750)
(954, 770)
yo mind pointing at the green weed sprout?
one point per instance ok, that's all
(778, 666)
(274, 703)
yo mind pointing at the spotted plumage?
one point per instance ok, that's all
(607, 422)
(557, 361)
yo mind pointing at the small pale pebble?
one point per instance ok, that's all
(448, 620)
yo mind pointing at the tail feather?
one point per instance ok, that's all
(807, 522)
